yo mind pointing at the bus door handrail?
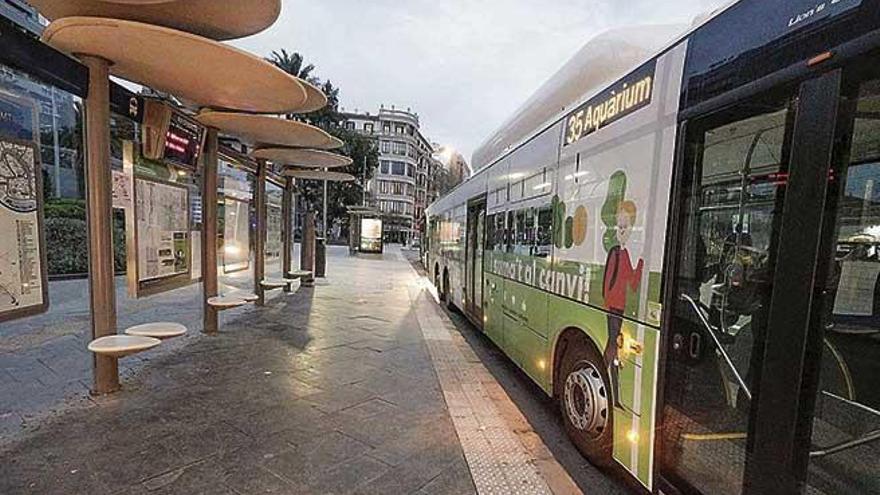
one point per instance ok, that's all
(871, 436)
(711, 331)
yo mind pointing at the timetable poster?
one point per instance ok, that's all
(22, 249)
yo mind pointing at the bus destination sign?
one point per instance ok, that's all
(623, 98)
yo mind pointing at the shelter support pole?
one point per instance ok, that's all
(99, 216)
(209, 232)
(324, 232)
(260, 240)
(307, 249)
(287, 228)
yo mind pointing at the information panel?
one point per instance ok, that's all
(274, 240)
(162, 230)
(23, 276)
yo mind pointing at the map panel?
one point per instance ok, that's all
(163, 243)
(274, 240)
(21, 253)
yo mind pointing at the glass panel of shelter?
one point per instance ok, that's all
(235, 217)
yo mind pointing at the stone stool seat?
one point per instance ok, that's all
(122, 345)
(297, 274)
(246, 296)
(226, 302)
(159, 330)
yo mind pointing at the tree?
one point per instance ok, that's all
(292, 63)
(361, 149)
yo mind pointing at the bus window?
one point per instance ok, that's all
(735, 174)
(490, 233)
(845, 452)
(498, 232)
(522, 233)
(545, 232)
(510, 237)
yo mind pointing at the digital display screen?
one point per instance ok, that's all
(622, 99)
(183, 141)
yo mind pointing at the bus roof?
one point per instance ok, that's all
(600, 62)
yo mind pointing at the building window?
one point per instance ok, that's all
(386, 165)
(386, 147)
(368, 127)
(398, 129)
(399, 148)
(349, 125)
(386, 128)
(398, 168)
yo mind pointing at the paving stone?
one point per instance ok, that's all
(450, 482)
(328, 390)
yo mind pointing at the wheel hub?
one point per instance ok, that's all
(586, 400)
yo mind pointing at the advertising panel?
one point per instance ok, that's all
(371, 235)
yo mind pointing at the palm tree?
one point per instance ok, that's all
(292, 63)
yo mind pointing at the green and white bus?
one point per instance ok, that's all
(681, 244)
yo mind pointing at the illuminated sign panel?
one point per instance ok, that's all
(622, 99)
(183, 141)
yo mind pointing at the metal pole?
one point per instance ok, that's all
(99, 215)
(307, 249)
(324, 221)
(286, 228)
(209, 232)
(260, 240)
(364, 183)
(57, 146)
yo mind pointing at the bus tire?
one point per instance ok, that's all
(437, 278)
(447, 297)
(585, 402)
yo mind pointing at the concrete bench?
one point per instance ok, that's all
(298, 274)
(248, 297)
(118, 346)
(159, 330)
(279, 283)
(226, 302)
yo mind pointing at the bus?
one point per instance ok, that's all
(680, 243)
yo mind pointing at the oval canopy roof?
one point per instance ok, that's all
(183, 64)
(267, 131)
(210, 18)
(298, 157)
(318, 175)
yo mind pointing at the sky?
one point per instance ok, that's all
(464, 66)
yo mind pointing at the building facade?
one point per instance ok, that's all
(57, 110)
(21, 13)
(401, 187)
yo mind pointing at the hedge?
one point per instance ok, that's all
(67, 238)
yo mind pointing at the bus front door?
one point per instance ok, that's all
(773, 304)
(733, 181)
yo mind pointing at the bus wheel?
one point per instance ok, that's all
(437, 284)
(586, 402)
(447, 297)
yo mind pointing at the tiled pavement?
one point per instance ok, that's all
(327, 390)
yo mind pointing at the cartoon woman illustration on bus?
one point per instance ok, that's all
(620, 275)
